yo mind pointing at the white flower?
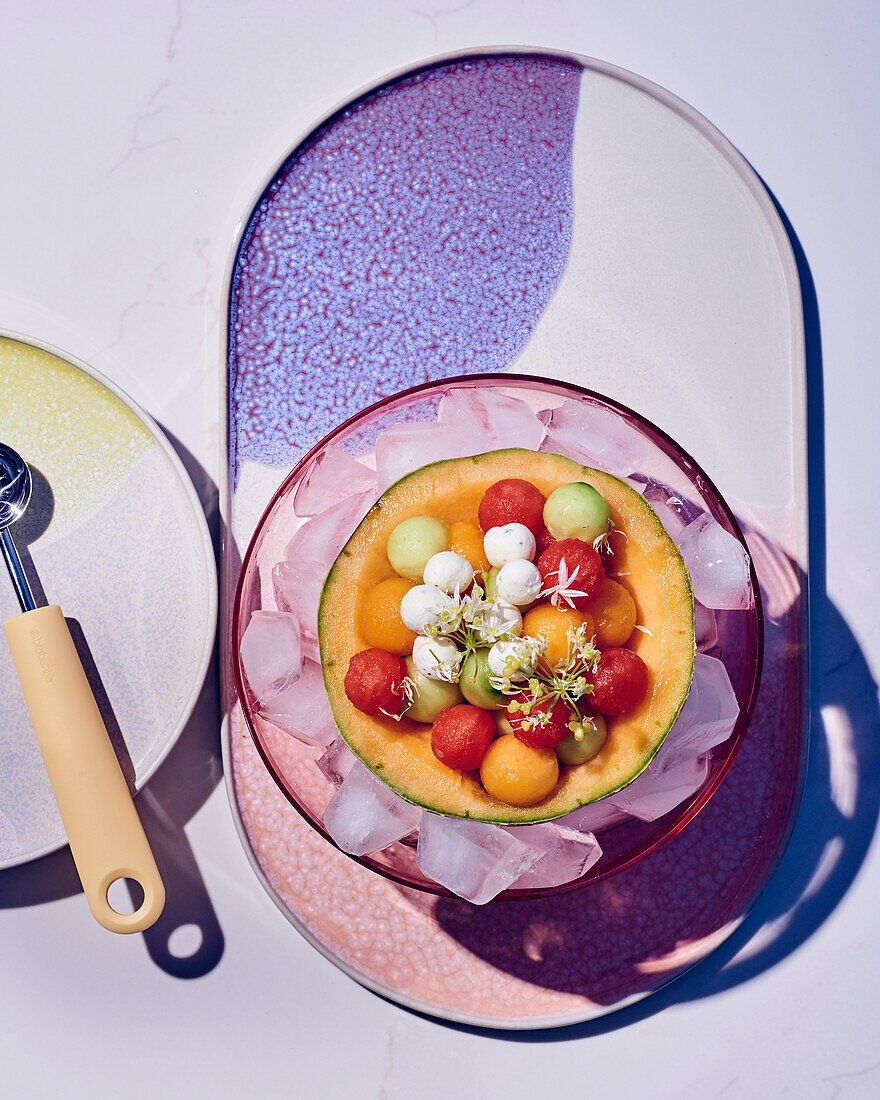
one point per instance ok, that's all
(425, 609)
(511, 542)
(499, 622)
(448, 571)
(514, 659)
(449, 619)
(474, 607)
(437, 658)
(582, 647)
(563, 591)
(518, 582)
(408, 688)
(602, 543)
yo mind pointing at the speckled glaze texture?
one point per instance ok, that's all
(419, 233)
(109, 508)
(569, 957)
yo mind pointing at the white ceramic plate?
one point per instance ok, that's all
(118, 538)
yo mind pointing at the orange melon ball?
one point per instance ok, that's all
(467, 540)
(614, 613)
(380, 623)
(553, 624)
(518, 774)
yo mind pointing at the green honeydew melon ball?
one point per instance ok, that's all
(576, 511)
(572, 752)
(414, 542)
(475, 685)
(430, 696)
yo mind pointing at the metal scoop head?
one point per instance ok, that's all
(15, 492)
(15, 486)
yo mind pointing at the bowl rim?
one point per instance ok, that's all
(686, 811)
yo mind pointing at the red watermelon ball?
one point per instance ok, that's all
(512, 501)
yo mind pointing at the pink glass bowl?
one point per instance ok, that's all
(740, 633)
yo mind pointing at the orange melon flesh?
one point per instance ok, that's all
(646, 561)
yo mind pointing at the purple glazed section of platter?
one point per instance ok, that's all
(300, 360)
(417, 234)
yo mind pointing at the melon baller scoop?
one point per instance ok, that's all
(105, 834)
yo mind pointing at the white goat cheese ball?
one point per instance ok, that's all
(437, 658)
(512, 542)
(518, 582)
(448, 571)
(421, 606)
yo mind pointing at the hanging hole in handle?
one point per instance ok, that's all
(185, 941)
(125, 896)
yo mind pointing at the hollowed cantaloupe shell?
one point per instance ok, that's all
(648, 563)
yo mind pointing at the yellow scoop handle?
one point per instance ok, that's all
(104, 831)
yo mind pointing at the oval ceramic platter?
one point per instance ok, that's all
(115, 535)
(546, 215)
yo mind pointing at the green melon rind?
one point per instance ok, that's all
(521, 813)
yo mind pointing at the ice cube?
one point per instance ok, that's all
(669, 508)
(566, 854)
(321, 538)
(302, 709)
(406, 447)
(594, 435)
(504, 421)
(707, 718)
(659, 790)
(593, 817)
(512, 423)
(464, 415)
(271, 653)
(336, 761)
(297, 586)
(333, 477)
(718, 565)
(472, 859)
(364, 815)
(705, 627)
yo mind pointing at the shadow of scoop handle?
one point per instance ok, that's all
(105, 834)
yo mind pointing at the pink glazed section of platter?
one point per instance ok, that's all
(397, 176)
(570, 957)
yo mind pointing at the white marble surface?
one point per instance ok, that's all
(136, 136)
